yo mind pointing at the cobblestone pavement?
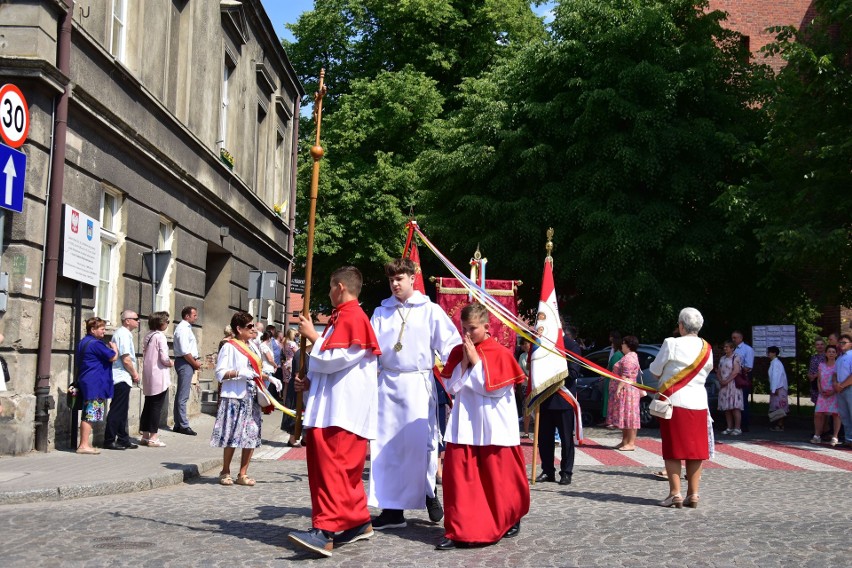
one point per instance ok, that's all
(608, 517)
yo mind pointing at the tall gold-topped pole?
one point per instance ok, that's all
(317, 154)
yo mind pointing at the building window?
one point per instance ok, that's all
(105, 294)
(118, 32)
(165, 240)
(228, 70)
(260, 153)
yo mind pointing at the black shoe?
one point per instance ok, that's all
(564, 479)
(436, 511)
(128, 446)
(112, 446)
(445, 544)
(314, 540)
(390, 519)
(188, 431)
(361, 532)
(546, 477)
(513, 530)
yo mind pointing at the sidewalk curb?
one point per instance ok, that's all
(182, 473)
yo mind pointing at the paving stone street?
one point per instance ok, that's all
(607, 517)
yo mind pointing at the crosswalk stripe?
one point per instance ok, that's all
(730, 454)
(725, 449)
(824, 462)
(655, 448)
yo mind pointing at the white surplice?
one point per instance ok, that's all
(481, 417)
(343, 389)
(404, 455)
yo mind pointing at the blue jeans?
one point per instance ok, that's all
(844, 408)
(184, 383)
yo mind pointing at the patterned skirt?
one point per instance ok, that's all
(237, 423)
(779, 401)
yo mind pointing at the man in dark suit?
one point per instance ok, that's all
(557, 416)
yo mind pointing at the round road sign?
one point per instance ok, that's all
(14, 115)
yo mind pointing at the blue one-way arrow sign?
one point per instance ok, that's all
(13, 170)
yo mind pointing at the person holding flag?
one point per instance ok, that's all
(340, 416)
(404, 455)
(485, 479)
(550, 382)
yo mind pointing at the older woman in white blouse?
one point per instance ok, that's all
(682, 365)
(238, 419)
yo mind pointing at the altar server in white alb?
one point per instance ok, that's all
(404, 455)
(340, 416)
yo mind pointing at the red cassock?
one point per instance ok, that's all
(485, 486)
(335, 455)
(335, 466)
(485, 491)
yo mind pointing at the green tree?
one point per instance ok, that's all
(368, 182)
(620, 132)
(392, 69)
(447, 40)
(798, 196)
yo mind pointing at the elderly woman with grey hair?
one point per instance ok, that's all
(682, 366)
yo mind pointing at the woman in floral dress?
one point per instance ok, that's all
(238, 419)
(624, 399)
(827, 401)
(730, 396)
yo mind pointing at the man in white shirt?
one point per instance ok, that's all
(404, 455)
(746, 354)
(124, 374)
(187, 362)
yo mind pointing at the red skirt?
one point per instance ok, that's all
(485, 491)
(335, 466)
(685, 436)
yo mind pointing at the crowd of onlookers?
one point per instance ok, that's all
(107, 371)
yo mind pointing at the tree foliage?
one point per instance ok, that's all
(619, 132)
(798, 195)
(391, 69)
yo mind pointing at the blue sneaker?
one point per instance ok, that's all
(361, 532)
(314, 540)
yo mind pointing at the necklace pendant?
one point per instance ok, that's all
(398, 347)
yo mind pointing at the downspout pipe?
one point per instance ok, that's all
(294, 168)
(54, 228)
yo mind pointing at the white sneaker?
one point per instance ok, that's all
(816, 440)
(727, 431)
(834, 442)
(736, 432)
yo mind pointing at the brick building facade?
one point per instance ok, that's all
(751, 18)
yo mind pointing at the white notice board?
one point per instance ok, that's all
(781, 336)
(81, 246)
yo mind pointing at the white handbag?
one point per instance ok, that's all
(661, 408)
(261, 396)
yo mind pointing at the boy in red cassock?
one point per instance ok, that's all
(340, 417)
(485, 479)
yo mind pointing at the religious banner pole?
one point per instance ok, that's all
(549, 258)
(316, 153)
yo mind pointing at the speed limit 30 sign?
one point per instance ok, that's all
(14, 116)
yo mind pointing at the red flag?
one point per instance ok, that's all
(414, 255)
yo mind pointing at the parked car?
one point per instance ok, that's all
(590, 387)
